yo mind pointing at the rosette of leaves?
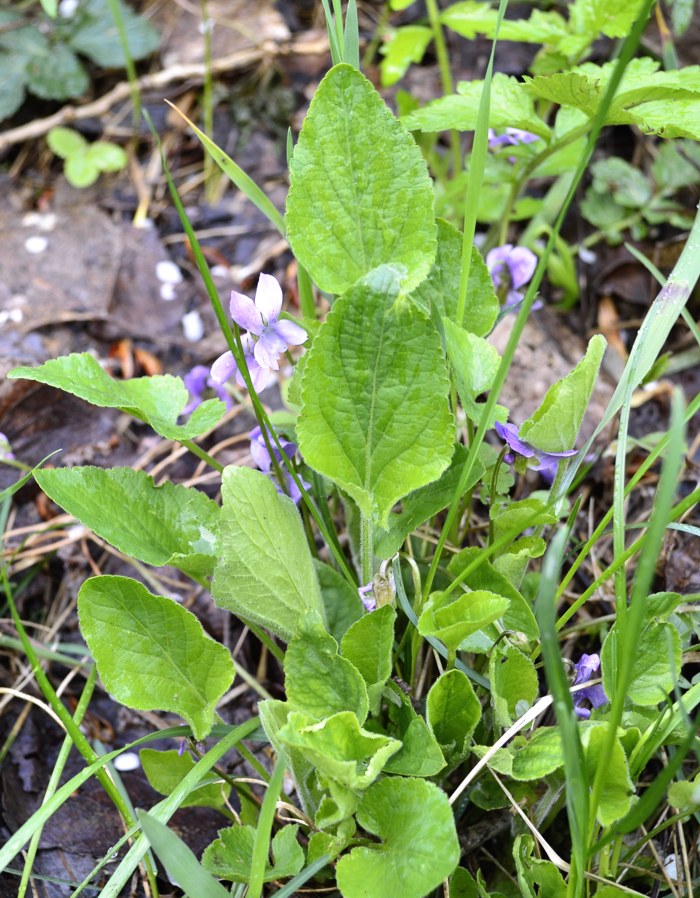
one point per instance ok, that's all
(41, 55)
(84, 161)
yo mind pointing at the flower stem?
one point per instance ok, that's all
(445, 76)
(366, 548)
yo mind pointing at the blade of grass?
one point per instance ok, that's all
(179, 861)
(351, 36)
(335, 39)
(303, 876)
(574, 761)
(131, 75)
(263, 831)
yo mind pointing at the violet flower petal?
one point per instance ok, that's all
(509, 433)
(292, 334)
(268, 299)
(223, 368)
(522, 263)
(245, 313)
(366, 594)
(269, 348)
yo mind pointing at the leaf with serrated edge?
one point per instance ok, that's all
(158, 399)
(151, 653)
(168, 524)
(360, 195)
(419, 847)
(375, 417)
(265, 572)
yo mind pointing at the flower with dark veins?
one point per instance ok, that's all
(511, 267)
(262, 458)
(586, 668)
(197, 381)
(537, 459)
(266, 337)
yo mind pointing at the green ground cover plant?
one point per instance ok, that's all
(417, 603)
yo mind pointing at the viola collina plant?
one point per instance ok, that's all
(428, 675)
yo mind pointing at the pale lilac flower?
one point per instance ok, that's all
(367, 597)
(225, 366)
(544, 462)
(512, 266)
(262, 458)
(586, 668)
(261, 318)
(6, 453)
(197, 381)
(511, 137)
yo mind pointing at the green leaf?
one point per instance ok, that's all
(452, 621)
(452, 712)
(95, 33)
(151, 653)
(107, 156)
(440, 290)
(474, 363)
(419, 847)
(422, 504)
(50, 7)
(538, 756)
(179, 861)
(14, 80)
(556, 423)
(536, 876)
(360, 195)
(166, 769)
(65, 142)
(613, 18)
(339, 748)
(157, 400)
(159, 525)
(404, 46)
(265, 573)
(340, 600)
(626, 184)
(368, 645)
(519, 616)
(317, 679)
(511, 107)
(471, 18)
(81, 171)
(656, 666)
(56, 74)
(231, 855)
(375, 416)
(420, 753)
(685, 794)
(616, 796)
(514, 685)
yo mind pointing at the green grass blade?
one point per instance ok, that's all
(233, 171)
(335, 45)
(351, 36)
(179, 861)
(574, 762)
(263, 831)
(303, 876)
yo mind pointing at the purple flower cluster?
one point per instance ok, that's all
(266, 337)
(197, 381)
(262, 458)
(512, 266)
(539, 460)
(586, 668)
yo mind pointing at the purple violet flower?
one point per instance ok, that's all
(511, 137)
(512, 266)
(262, 458)
(586, 668)
(197, 381)
(6, 453)
(545, 462)
(367, 597)
(260, 318)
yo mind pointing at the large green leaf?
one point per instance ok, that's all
(455, 619)
(317, 679)
(511, 107)
(440, 290)
(474, 363)
(655, 668)
(470, 18)
(419, 847)
(56, 74)
(368, 645)
(158, 400)
(404, 46)
(453, 711)
(618, 791)
(422, 504)
(159, 525)
(340, 599)
(514, 684)
(375, 416)
(360, 195)
(420, 753)
(265, 572)
(554, 426)
(151, 653)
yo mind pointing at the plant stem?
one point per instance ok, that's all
(366, 548)
(445, 76)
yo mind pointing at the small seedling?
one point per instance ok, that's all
(84, 161)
